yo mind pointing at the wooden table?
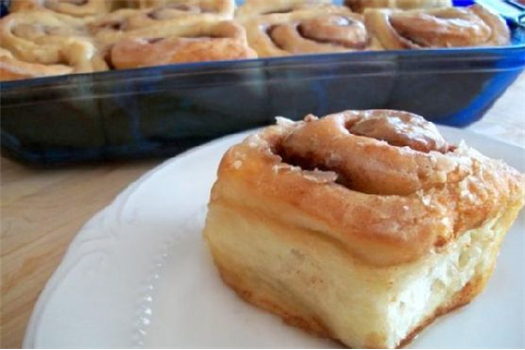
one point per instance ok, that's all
(42, 210)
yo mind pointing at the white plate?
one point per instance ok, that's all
(139, 275)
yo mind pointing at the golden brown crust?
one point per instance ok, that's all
(438, 28)
(450, 192)
(362, 5)
(222, 41)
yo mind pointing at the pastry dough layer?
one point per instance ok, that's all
(312, 283)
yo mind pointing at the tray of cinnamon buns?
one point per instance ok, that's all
(89, 80)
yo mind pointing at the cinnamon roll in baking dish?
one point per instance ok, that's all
(143, 4)
(172, 18)
(438, 28)
(222, 41)
(12, 68)
(361, 5)
(47, 38)
(308, 31)
(77, 8)
(253, 8)
(363, 226)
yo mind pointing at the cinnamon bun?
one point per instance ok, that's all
(144, 4)
(48, 38)
(438, 28)
(363, 226)
(361, 5)
(320, 30)
(12, 68)
(223, 41)
(172, 18)
(253, 8)
(77, 8)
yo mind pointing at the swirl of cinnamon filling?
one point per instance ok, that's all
(438, 28)
(252, 8)
(77, 8)
(12, 68)
(345, 142)
(327, 29)
(171, 18)
(385, 184)
(223, 41)
(361, 5)
(47, 38)
(206, 5)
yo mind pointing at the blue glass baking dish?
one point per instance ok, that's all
(162, 111)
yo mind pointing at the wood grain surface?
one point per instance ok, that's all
(43, 209)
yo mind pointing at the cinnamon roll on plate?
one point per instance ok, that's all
(439, 28)
(308, 31)
(363, 226)
(361, 5)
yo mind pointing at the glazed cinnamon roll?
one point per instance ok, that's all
(77, 8)
(48, 38)
(223, 41)
(253, 8)
(173, 18)
(362, 226)
(322, 30)
(361, 5)
(12, 68)
(439, 28)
